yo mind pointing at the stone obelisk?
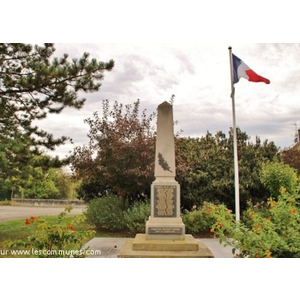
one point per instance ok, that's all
(165, 221)
(165, 232)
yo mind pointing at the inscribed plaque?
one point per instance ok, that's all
(165, 201)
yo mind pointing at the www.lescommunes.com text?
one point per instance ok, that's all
(36, 252)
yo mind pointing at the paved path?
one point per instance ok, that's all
(9, 213)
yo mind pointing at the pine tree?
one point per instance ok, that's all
(33, 85)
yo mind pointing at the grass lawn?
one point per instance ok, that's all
(17, 230)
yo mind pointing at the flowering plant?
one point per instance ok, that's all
(272, 231)
(201, 219)
(55, 240)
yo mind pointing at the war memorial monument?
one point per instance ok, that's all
(165, 232)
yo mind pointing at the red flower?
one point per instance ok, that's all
(32, 218)
(71, 228)
(27, 222)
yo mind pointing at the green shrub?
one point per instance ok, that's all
(275, 175)
(201, 219)
(136, 216)
(106, 213)
(270, 233)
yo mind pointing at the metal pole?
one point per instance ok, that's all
(236, 164)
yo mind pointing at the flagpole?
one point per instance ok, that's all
(236, 164)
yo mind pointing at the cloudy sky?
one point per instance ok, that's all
(199, 77)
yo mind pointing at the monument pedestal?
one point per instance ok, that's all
(165, 221)
(141, 247)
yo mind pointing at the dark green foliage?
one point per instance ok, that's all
(89, 190)
(205, 169)
(106, 213)
(112, 214)
(136, 217)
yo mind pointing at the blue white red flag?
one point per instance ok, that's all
(240, 69)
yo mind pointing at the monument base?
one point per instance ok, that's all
(141, 247)
(165, 229)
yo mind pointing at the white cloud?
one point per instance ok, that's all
(199, 77)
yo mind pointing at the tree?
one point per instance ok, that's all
(205, 168)
(42, 185)
(120, 156)
(291, 156)
(50, 183)
(33, 86)
(22, 173)
(120, 160)
(278, 175)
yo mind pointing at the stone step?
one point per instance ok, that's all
(141, 243)
(142, 248)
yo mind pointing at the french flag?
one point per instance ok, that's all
(240, 69)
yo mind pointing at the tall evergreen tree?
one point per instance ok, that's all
(33, 85)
